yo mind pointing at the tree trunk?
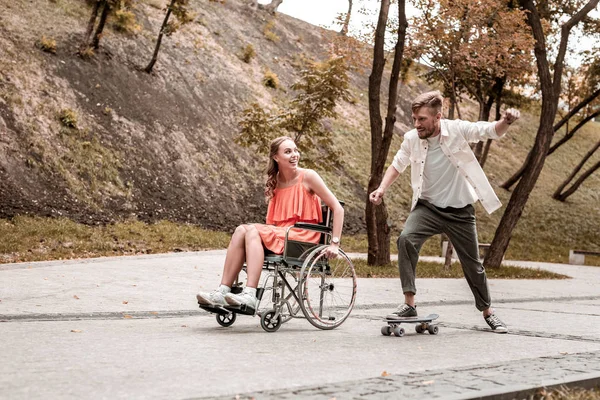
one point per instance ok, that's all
(253, 4)
(448, 256)
(273, 5)
(150, 65)
(344, 30)
(498, 96)
(578, 182)
(517, 175)
(90, 25)
(100, 28)
(550, 96)
(557, 194)
(569, 135)
(378, 230)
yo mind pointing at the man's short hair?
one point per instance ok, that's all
(433, 100)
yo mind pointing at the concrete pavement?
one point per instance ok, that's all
(129, 327)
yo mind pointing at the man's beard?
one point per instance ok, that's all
(424, 134)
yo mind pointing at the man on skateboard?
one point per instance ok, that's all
(446, 179)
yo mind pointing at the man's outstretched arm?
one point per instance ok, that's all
(390, 176)
(509, 116)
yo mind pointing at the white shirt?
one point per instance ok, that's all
(443, 185)
(454, 141)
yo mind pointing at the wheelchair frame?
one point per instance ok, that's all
(304, 284)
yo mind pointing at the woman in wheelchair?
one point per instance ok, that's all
(294, 195)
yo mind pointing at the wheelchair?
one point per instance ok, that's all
(300, 283)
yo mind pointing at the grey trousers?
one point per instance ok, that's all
(427, 220)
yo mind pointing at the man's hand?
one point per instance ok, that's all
(511, 115)
(376, 196)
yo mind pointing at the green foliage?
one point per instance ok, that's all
(37, 238)
(270, 79)
(68, 118)
(124, 21)
(180, 11)
(94, 165)
(248, 54)
(47, 44)
(320, 87)
(436, 270)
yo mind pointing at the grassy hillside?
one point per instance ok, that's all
(155, 147)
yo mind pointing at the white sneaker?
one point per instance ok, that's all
(214, 298)
(244, 298)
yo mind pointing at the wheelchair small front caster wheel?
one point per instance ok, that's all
(268, 321)
(226, 319)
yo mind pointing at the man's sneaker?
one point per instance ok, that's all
(214, 298)
(403, 311)
(245, 298)
(494, 322)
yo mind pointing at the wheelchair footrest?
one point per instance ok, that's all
(214, 309)
(243, 309)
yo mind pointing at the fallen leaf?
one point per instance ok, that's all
(76, 330)
(564, 352)
(184, 326)
(127, 316)
(125, 302)
(385, 373)
(427, 382)
(154, 312)
(75, 297)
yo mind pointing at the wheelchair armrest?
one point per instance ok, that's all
(312, 227)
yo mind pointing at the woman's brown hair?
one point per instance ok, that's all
(272, 167)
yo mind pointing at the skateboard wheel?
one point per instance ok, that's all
(419, 328)
(399, 331)
(226, 319)
(386, 330)
(433, 329)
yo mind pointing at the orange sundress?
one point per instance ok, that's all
(290, 205)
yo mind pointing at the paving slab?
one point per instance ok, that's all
(129, 327)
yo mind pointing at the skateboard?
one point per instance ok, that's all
(422, 324)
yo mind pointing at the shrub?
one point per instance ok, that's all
(248, 54)
(124, 21)
(270, 79)
(268, 32)
(87, 53)
(47, 44)
(68, 118)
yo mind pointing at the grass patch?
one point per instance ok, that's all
(564, 393)
(39, 239)
(436, 270)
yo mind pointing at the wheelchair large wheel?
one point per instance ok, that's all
(327, 288)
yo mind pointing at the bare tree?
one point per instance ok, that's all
(346, 22)
(179, 9)
(558, 194)
(517, 175)
(273, 5)
(378, 230)
(550, 87)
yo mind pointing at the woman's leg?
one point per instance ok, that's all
(236, 253)
(255, 255)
